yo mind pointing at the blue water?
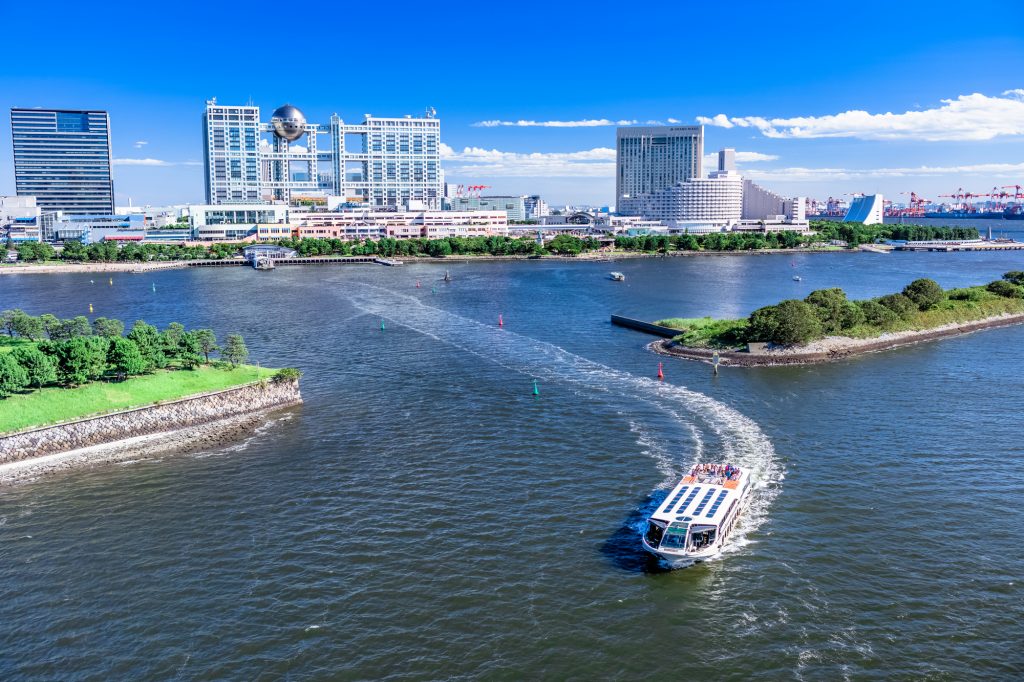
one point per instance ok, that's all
(424, 516)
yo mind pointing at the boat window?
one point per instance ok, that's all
(689, 499)
(675, 536)
(703, 537)
(654, 533)
(704, 502)
(670, 505)
(718, 502)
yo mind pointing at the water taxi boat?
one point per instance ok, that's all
(617, 276)
(698, 516)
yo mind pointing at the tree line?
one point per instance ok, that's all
(828, 311)
(76, 351)
(856, 234)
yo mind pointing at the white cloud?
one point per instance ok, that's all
(968, 117)
(587, 123)
(140, 144)
(479, 162)
(152, 162)
(711, 160)
(989, 170)
(673, 121)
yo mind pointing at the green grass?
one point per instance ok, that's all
(54, 404)
(706, 332)
(7, 344)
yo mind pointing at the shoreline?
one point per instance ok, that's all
(147, 447)
(832, 348)
(137, 267)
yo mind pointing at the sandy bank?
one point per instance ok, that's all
(55, 268)
(832, 348)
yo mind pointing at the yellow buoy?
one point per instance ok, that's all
(90, 307)
(111, 281)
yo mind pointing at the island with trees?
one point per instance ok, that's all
(827, 326)
(68, 372)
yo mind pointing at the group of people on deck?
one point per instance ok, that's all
(727, 472)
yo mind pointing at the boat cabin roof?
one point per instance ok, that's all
(701, 499)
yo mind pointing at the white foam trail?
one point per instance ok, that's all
(742, 441)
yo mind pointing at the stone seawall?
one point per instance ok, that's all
(141, 421)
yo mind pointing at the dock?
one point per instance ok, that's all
(959, 246)
(312, 260)
(646, 327)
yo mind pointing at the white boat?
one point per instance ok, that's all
(796, 278)
(617, 276)
(698, 516)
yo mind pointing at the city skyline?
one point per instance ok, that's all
(888, 115)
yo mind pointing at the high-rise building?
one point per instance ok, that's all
(231, 145)
(513, 206)
(653, 158)
(535, 207)
(62, 158)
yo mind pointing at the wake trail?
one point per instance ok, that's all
(741, 440)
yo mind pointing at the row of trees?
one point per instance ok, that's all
(78, 351)
(108, 252)
(856, 234)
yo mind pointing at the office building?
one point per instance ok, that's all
(20, 219)
(376, 224)
(62, 158)
(513, 206)
(536, 207)
(653, 158)
(380, 162)
(220, 222)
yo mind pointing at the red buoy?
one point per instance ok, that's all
(417, 284)
(661, 374)
(501, 322)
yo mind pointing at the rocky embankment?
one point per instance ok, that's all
(205, 420)
(832, 348)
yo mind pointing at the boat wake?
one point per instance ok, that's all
(735, 437)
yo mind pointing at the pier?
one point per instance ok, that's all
(312, 260)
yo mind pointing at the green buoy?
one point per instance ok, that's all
(382, 325)
(536, 389)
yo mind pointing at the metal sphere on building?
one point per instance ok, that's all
(289, 123)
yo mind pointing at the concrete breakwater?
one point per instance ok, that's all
(169, 416)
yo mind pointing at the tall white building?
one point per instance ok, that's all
(231, 145)
(716, 199)
(653, 158)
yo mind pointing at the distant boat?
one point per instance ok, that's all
(796, 278)
(447, 276)
(617, 276)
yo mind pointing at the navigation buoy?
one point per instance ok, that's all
(90, 307)
(536, 389)
(661, 374)
(111, 281)
(92, 281)
(433, 290)
(382, 325)
(154, 287)
(417, 284)
(501, 322)
(714, 361)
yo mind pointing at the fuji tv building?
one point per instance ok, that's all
(381, 162)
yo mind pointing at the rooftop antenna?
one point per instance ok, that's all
(431, 112)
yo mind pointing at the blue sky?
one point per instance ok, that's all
(781, 83)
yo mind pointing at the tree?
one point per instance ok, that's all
(108, 327)
(52, 326)
(830, 307)
(189, 351)
(39, 367)
(28, 327)
(76, 326)
(786, 323)
(171, 338)
(125, 358)
(73, 250)
(878, 315)
(12, 375)
(566, 244)
(72, 360)
(7, 318)
(899, 304)
(147, 338)
(235, 351)
(207, 342)
(1003, 288)
(1015, 277)
(925, 293)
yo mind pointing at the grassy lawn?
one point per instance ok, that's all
(706, 332)
(7, 344)
(53, 404)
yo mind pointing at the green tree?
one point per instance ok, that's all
(566, 244)
(787, 323)
(207, 342)
(190, 353)
(925, 293)
(39, 367)
(235, 351)
(830, 307)
(1003, 288)
(1014, 277)
(52, 326)
(899, 304)
(7, 319)
(12, 375)
(76, 326)
(73, 251)
(28, 326)
(171, 338)
(72, 358)
(877, 314)
(108, 327)
(147, 338)
(125, 358)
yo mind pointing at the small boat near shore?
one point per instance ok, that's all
(617, 276)
(797, 278)
(698, 516)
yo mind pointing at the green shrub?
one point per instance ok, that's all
(1003, 288)
(286, 374)
(878, 315)
(1014, 277)
(788, 322)
(925, 293)
(829, 306)
(899, 304)
(968, 294)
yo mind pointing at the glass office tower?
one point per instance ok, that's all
(62, 158)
